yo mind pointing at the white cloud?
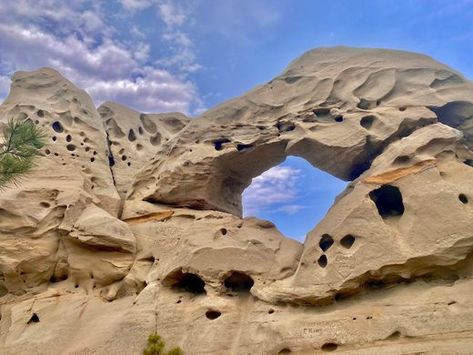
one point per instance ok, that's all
(136, 4)
(78, 41)
(268, 191)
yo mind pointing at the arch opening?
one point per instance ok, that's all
(294, 195)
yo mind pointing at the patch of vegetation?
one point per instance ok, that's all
(21, 143)
(156, 347)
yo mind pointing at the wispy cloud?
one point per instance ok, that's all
(273, 191)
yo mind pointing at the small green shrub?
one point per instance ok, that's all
(156, 347)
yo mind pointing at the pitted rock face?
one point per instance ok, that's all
(144, 211)
(134, 138)
(338, 108)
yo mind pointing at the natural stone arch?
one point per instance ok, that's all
(316, 110)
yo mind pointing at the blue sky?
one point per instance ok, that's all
(189, 55)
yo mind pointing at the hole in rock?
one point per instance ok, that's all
(131, 135)
(218, 144)
(241, 147)
(223, 231)
(347, 241)
(271, 311)
(388, 200)
(71, 147)
(68, 138)
(329, 347)
(34, 319)
(463, 198)
(285, 126)
(325, 242)
(338, 119)
(394, 335)
(212, 314)
(40, 113)
(367, 121)
(239, 282)
(285, 351)
(469, 162)
(293, 195)
(322, 261)
(57, 126)
(185, 281)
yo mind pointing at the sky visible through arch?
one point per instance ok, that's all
(294, 195)
(190, 55)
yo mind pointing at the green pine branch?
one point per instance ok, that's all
(18, 150)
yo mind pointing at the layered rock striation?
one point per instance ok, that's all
(131, 223)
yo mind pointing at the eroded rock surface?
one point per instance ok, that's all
(131, 223)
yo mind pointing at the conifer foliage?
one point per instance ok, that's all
(18, 149)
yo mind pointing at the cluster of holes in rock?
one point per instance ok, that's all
(388, 201)
(326, 241)
(185, 281)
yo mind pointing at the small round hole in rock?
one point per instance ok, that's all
(223, 231)
(68, 138)
(92, 159)
(329, 347)
(124, 157)
(270, 311)
(71, 147)
(131, 135)
(338, 119)
(34, 319)
(322, 261)
(367, 121)
(40, 113)
(211, 314)
(326, 241)
(57, 126)
(347, 241)
(463, 198)
(285, 351)
(239, 282)
(47, 151)
(45, 204)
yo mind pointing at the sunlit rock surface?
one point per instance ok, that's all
(131, 223)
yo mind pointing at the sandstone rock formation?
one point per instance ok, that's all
(131, 223)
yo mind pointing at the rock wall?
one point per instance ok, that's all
(131, 223)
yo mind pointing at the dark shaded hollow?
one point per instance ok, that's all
(57, 126)
(367, 121)
(34, 319)
(71, 147)
(326, 241)
(347, 241)
(241, 147)
(329, 347)
(185, 281)
(285, 351)
(463, 199)
(218, 144)
(388, 200)
(322, 261)
(285, 126)
(212, 314)
(239, 282)
(131, 135)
